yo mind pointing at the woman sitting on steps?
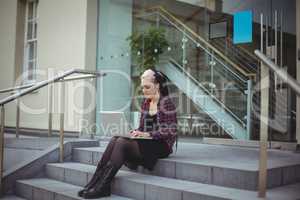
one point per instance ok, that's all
(158, 123)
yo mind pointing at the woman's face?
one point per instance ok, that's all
(150, 89)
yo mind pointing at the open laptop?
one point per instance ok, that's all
(116, 124)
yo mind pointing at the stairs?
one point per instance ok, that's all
(196, 171)
(45, 188)
(196, 92)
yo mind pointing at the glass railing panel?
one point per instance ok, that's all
(238, 54)
(282, 111)
(201, 64)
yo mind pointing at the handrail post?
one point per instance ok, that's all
(61, 132)
(184, 41)
(157, 20)
(50, 104)
(18, 118)
(2, 146)
(263, 131)
(212, 64)
(264, 114)
(249, 95)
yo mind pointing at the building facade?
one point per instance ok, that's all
(41, 38)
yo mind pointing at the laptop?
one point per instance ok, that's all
(116, 124)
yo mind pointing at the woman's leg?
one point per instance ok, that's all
(108, 150)
(105, 158)
(123, 149)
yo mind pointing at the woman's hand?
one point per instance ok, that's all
(137, 133)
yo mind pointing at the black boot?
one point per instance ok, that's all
(103, 186)
(93, 181)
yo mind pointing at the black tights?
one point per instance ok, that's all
(120, 150)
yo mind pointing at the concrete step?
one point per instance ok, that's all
(11, 197)
(220, 165)
(48, 189)
(142, 186)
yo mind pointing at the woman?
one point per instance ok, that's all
(158, 122)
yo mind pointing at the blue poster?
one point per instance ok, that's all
(242, 27)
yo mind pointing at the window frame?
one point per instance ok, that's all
(29, 73)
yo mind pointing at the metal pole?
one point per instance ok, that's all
(267, 36)
(18, 118)
(2, 146)
(184, 40)
(212, 75)
(262, 179)
(157, 20)
(281, 43)
(275, 54)
(262, 32)
(262, 185)
(276, 36)
(249, 87)
(50, 115)
(61, 132)
(295, 85)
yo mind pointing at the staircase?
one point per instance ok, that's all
(213, 81)
(199, 95)
(196, 171)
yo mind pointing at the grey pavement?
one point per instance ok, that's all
(225, 156)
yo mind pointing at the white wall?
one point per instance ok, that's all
(8, 13)
(61, 46)
(90, 62)
(65, 40)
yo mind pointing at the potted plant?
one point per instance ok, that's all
(147, 46)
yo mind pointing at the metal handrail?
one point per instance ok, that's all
(46, 82)
(244, 50)
(240, 57)
(161, 10)
(295, 85)
(266, 66)
(59, 78)
(20, 87)
(197, 43)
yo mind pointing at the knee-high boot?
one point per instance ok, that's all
(93, 181)
(103, 186)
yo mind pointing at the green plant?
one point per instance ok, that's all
(147, 46)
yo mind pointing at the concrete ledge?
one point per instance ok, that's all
(43, 188)
(30, 143)
(39, 132)
(34, 167)
(144, 187)
(11, 197)
(217, 171)
(289, 146)
(141, 186)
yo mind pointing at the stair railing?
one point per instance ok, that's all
(239, 75)
(27, 89)
(205, 45)
(183, 70)
(266, 66)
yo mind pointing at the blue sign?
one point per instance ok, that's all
(242, 27)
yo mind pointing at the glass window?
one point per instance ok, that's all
(30, 54)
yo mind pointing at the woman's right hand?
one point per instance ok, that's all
(135, 133)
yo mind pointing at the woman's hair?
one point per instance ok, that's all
(162, 80)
